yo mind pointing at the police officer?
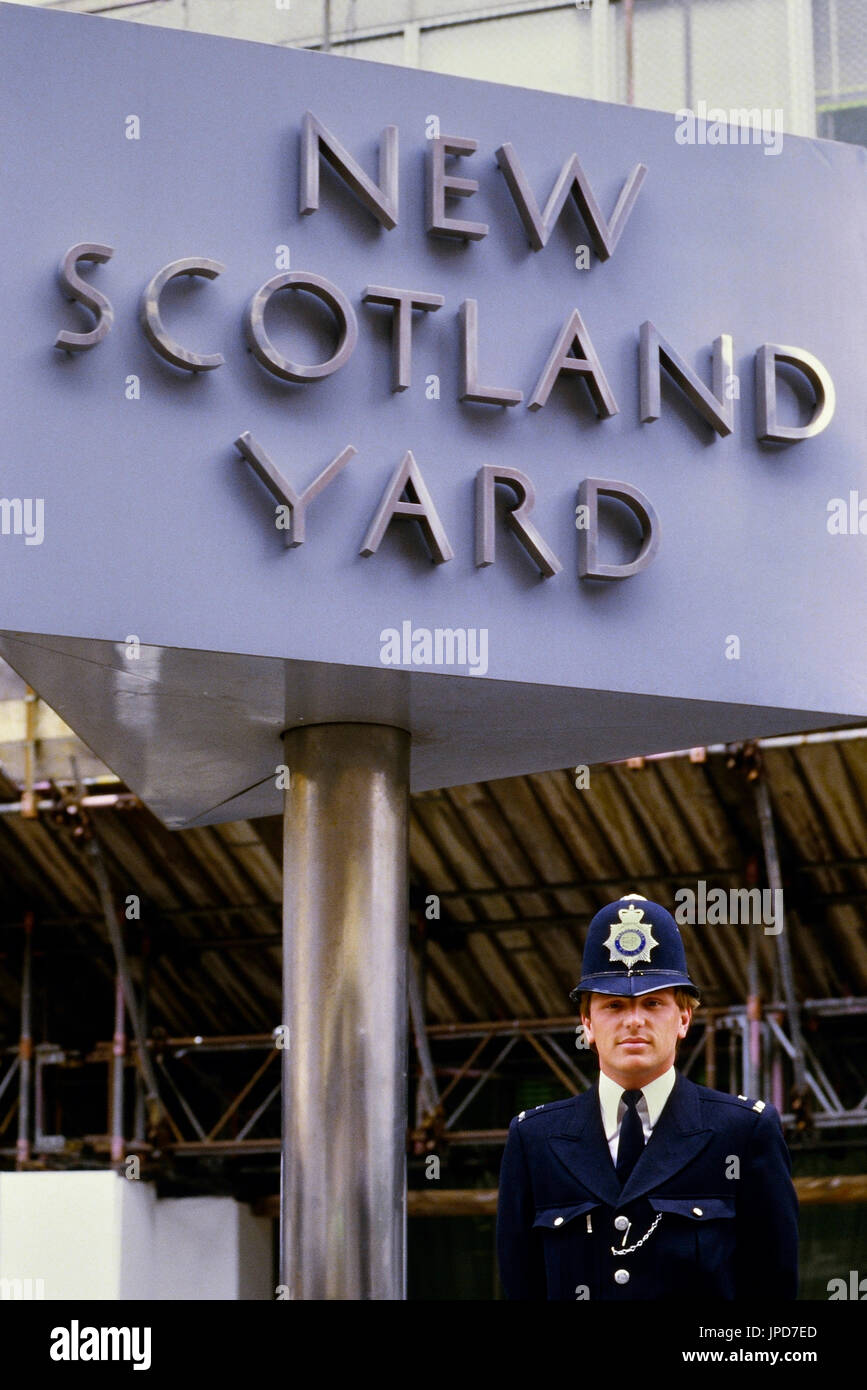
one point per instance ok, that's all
(646, 1186)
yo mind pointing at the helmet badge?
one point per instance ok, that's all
(631, 939)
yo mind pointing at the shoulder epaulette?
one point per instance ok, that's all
(524, 1113)
(546, 1105)
(753, 1104)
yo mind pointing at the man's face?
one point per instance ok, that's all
(635, 1037)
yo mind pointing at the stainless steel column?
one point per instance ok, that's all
(345, 942)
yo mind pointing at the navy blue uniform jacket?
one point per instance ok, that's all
(715, 1171)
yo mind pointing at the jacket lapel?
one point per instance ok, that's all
(581, 1147)
(677, 1138)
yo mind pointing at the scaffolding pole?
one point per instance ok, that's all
(784, 955)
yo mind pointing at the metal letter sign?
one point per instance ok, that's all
(310, 389)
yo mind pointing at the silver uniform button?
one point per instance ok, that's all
(558, 1221)
(621, 1223)
(621, 1276)
(697, 1211)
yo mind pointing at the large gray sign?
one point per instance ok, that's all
(332, 390)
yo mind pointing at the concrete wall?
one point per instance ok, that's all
(210, 1247)
(100, 1236)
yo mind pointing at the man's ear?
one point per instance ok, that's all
(685, 1021)
(588, 1028)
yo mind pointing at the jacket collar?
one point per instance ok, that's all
(655, 1095)
(677, 1138)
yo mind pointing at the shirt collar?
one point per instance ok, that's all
(655, 1094)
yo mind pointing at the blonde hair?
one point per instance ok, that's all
(682, 998)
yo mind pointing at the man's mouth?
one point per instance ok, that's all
(628, 1042)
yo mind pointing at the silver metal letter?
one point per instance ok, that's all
(381, 201)
(655, 353)
(77, 289)
(767, 428)
(280, 487)
(517, 519)
(588, 539)
(440, 184)
(588, 366)
(264, 350)
(470, 390)
(403, 303)
(419, 507)
(572, 179)
(149, 315)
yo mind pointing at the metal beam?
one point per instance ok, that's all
(474, 1090)
(115, 935)
(775, 881)
(117, 1066)
(241, 1096)
(25, 1047)
(427, 1096)
(855, 1006)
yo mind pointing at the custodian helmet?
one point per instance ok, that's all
(633, 946)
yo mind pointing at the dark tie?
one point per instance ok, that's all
(631, 1137)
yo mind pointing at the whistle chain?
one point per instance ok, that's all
(629, 1249)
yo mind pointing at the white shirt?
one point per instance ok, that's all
(649, 1108)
